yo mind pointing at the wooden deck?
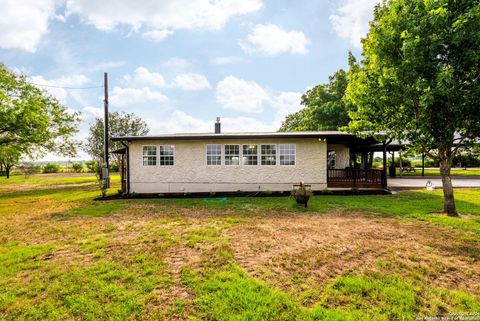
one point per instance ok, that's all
(354, 177)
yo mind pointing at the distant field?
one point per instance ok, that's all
(436, 172)
(19, 181)
(65, 256)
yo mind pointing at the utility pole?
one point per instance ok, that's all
(105, 170)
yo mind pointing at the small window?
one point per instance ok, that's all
(167, 155)
(331, 159)
(287, 154)
(149, 155)
(250, 155)
(214, 154)
(232, 154)
(269, 154)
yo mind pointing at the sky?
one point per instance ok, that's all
(179, 64)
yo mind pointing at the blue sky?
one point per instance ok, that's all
(179, 64)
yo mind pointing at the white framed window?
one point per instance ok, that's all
(287, 154)
(268, 154)
(214, 154)
(149, 155)
(249, 154)
(231, 154)
(167, 155)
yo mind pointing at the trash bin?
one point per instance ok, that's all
(392, 171)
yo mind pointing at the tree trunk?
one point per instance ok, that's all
(448, 198)
(7, 171)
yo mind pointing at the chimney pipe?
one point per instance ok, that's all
(218, 126)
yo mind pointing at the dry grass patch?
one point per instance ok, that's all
(291, 250)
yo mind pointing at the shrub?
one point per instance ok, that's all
(93, 167)
(28, 169)
(77, 167)
(51, 168)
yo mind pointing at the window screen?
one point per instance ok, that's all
(287, 154)
(214, 154)
(149, 155)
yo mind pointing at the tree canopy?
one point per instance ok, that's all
(325, 107)
(119, 124)
(30, 117)
(419, 80)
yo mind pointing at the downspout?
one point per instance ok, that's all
(128, 166)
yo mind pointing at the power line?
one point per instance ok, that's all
(64, 87)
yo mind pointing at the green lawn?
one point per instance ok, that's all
(65, 256)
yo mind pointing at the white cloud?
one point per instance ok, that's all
(157, 35)
(160, 15)
(177, 63)
(227, 60)
(191, 82)
(144, 77)
(241, 95)
(93, 111)
(129, 96)
(286, 102)
(24, 23)
(61, 94)
(180, 122)
(351, 19)
(270, 40)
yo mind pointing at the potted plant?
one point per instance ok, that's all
(302, 193)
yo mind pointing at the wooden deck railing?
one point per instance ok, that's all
(354, 177)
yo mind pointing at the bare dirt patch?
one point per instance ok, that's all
(318, 248)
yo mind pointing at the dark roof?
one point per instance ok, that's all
(122, 150)
(333, 136)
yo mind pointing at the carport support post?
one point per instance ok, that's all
(400, 154)
(423, 164)
(384, 178)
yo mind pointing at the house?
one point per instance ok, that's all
(247, 162)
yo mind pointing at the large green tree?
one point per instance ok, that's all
(119, 124)
(420, 78)
(325, 106)
(30, 117)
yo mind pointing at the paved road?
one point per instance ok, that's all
(420, 182)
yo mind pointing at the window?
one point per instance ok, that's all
(331, 159)
(214, 154)
(269, 154)
(250, 155)
(167, 155)
(232, 154)
(287, 154)
(149, 155)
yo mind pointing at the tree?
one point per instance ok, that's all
(9, 157)
(119, 124)
(325, 106)
(32, 118)
(420, 79)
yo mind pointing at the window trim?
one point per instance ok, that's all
(276, 155)
(279, 155)
(157, 152)
(224, 154)
(206, 155)
(174, 155)
(257, 154)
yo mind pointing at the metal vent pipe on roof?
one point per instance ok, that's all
(218, 126)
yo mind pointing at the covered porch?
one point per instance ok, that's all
(356, 171)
